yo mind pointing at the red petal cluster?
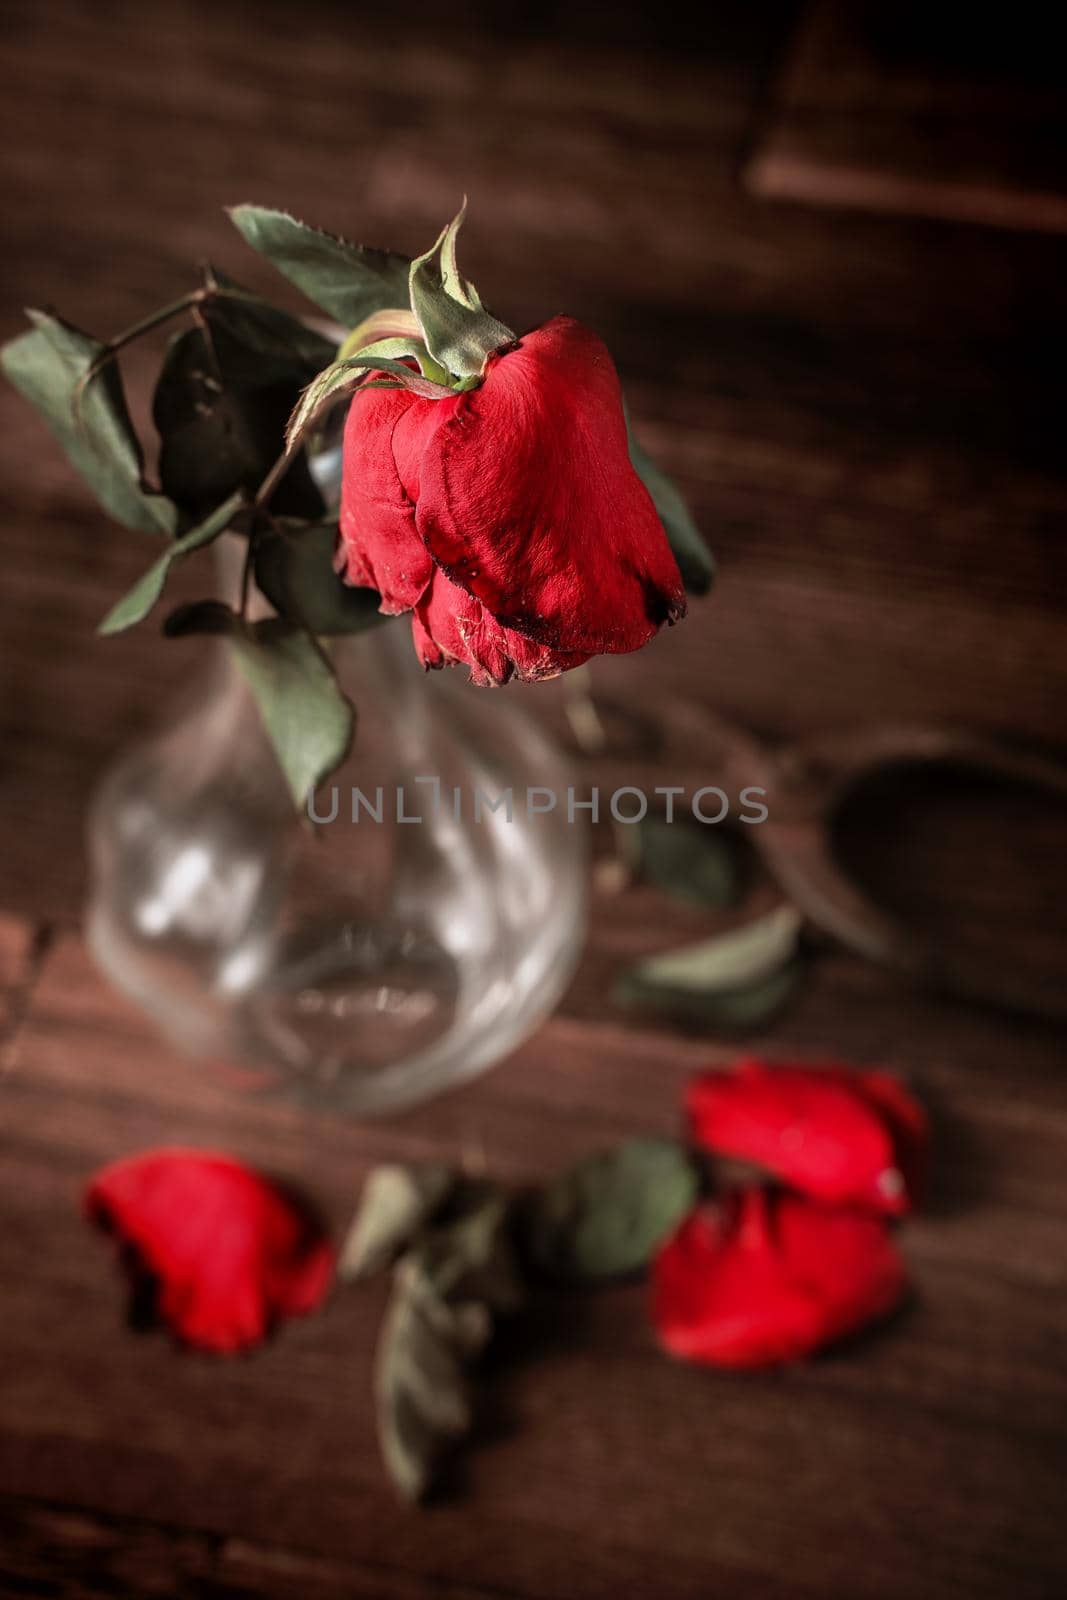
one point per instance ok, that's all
(855, 1138)
(768, 1275)
(509, 519)
(771, 1277)
(222, 1252)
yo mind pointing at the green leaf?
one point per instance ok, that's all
(730, 960)
(694, 559)
(396, 1204)
(605, 1217)
(348, 281)
(736, 980)
(691, 862)
(135, 606)
(422, 1384)
(294, 569)
(459, 333)
(48, 366)
(307, 718)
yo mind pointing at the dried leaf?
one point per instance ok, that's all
(396, 1203)
(736, 981)
(684, 859)
(422, 1382)
(343, 377)
(717, 1010)
(294, 569)
(49, 366)
(201, 616)
(729, 961)
(472, 1255)
(138, 602)
(223, 399)
(447, 1289)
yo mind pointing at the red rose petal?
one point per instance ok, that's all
(225, 1251)
(771, 1277)
(450, 625)
(380, 547)
(527, 498)
(839, 1135)
(909, 1128)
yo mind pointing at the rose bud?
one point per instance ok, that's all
(214, 1250)
(770, 1277)
(837, 1134)
(509, 518)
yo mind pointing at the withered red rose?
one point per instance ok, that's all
(509, 519)
(769, 1277)
(834, 1132)
(219, 1252)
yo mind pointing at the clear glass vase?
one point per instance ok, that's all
(409, 939)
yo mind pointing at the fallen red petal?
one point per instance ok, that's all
(771, 1277)
(837, 1134)
(223, 1252)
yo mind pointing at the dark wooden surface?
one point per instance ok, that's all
(942, 111)
(867, 415)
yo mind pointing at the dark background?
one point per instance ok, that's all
(827, 247)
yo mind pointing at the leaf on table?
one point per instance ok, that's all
(695, 561)
(396, 1204)
(307, 718)
(423, 1391)
(49, 366)
(736, 980)
(459, 332)
(605, 1217)
(730, 960)
(348, 281)
(138, 602)
(695, 863)
(726, 1010)
(294, 569)
(472, 1254)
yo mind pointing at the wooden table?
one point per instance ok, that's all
(867, 416)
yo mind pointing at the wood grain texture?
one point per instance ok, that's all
(941, 111)
(934, 1447)
(20, 949)
(866, 413)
